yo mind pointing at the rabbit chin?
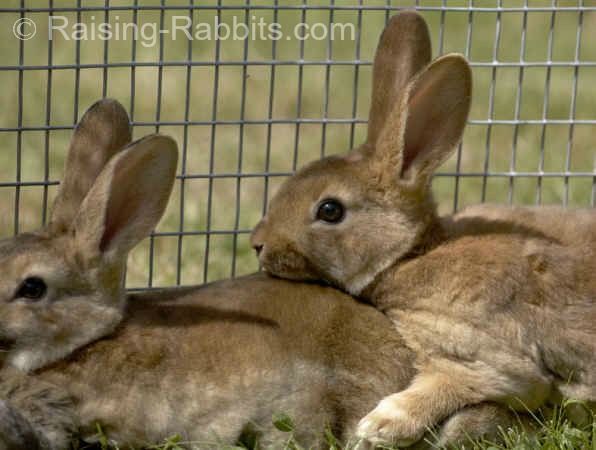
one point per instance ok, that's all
(291, 265)
(282, 269)
(288, 264)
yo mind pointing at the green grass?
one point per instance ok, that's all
(562, 147)
(553, 432)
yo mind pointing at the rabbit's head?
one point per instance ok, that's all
(62, 286)
(345, 219)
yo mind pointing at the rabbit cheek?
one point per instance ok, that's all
(20, 328)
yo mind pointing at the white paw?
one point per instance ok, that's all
(389, 424)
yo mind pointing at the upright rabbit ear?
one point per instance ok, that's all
(127, 199)
(404, 49)
(102, 131)
(427, 123)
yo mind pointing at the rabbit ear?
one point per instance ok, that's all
(102, 131)
(426, 125)
(128, 198)
(404, 49)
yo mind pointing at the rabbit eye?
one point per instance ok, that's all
(32, 288)
(330, 211)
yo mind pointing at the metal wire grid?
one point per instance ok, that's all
(215, 123)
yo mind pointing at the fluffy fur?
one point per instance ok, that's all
(36, 414)
(498, 304)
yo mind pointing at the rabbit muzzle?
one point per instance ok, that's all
(279, 257)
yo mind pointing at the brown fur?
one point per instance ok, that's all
(16, 432)
(499, 304)
(34, 414)
(210, 363)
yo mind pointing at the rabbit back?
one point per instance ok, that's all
(209, 363)
(567, 226)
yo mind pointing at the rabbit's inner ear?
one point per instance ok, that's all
(436, 114)
(128, 198)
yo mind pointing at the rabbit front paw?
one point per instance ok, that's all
(390, 423)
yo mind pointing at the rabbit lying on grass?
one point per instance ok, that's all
(211, 364)
(498, 304)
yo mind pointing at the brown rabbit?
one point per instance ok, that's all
(210, 363)
(62, 286)
(498, 304)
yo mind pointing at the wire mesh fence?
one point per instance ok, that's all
(248, 109)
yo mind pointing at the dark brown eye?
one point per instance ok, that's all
(330, 211)
(32, 288)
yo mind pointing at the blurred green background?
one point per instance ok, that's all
(556, 99)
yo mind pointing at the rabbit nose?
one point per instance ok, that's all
(258, 248)
(257, 237)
